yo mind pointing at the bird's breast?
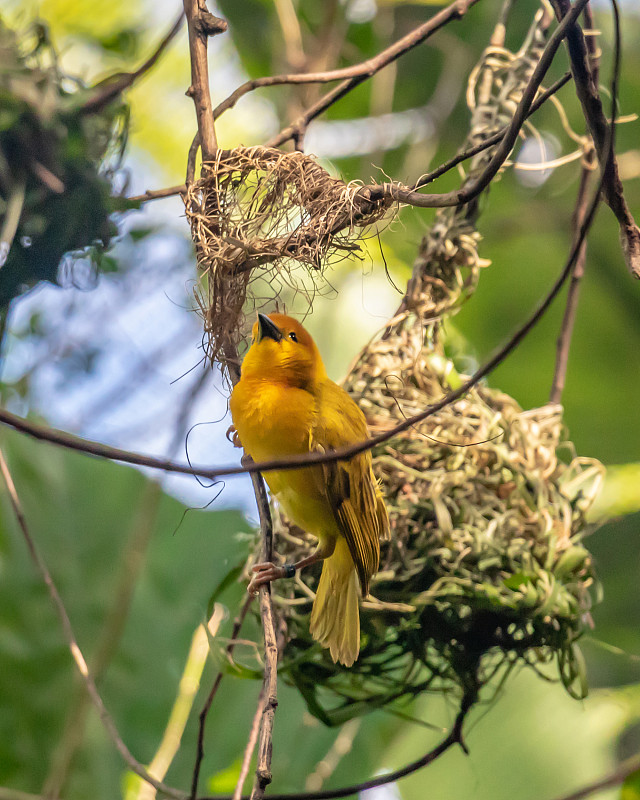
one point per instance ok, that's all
(275, 421)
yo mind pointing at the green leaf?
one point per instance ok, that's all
(630, 789)
(224, 782)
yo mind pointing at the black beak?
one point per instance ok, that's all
(267, 328)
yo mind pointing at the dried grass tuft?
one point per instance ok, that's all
(260, 213)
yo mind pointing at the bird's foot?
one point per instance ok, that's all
(267, 572)
(232, 436)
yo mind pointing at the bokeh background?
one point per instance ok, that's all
(117, 357)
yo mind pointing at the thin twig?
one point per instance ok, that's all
(464, 155)
(363, 70)
(571, 307)
(158, 194)
(107, 90)
(615, 778)
(587, 91)
(473, 188)
(251, 746)
(74, 648)
(455, 11)
(454, 737)
(429, 177)
(270, 683)
(202, 718)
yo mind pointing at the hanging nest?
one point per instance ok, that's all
(259, 213)
(484, 570)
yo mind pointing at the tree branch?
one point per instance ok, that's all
(455, 11)
(571, 307)
(251, 746)
(454, 737)
(429, 177)
(363, 70)
(108, 89)
(72, 643)
(269, 694)
(615, 778)
(587, 91)
(202, 24)
(202, 718)
(473, 188)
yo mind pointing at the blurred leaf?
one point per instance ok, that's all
(631, 787)
(224, 782)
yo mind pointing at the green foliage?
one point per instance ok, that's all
(85, 516)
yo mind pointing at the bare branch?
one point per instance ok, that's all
(425, 179)
(202, 719)
(454, 737)
(202, 24)
(74, 648)
(601, 131)
(455, 11)
(251, 746)
(364, 70)
(571, 307)
(473, 188)
(270, 684)
(107, 90)
(158, 194)
(429, 177)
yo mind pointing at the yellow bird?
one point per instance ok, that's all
(283, 405)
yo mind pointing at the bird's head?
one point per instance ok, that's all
(282, 351)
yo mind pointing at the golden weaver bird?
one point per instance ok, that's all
(283, 405)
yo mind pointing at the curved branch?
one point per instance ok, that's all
(615, 778)
(454, 737)
(364, 70)
(156, 194)
(601, 131)
(74, 648)
(108, 89)
(293, 462)
(473, 188)
(455, 11)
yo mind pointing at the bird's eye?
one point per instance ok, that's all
(293, 337)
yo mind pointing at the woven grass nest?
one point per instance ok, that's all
(259, 213)
(484, 570)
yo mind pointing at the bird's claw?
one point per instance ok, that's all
(264, 574)
(232, 436)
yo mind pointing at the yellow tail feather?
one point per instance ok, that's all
(335, 618)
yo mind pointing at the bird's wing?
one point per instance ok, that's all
(350, 486)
